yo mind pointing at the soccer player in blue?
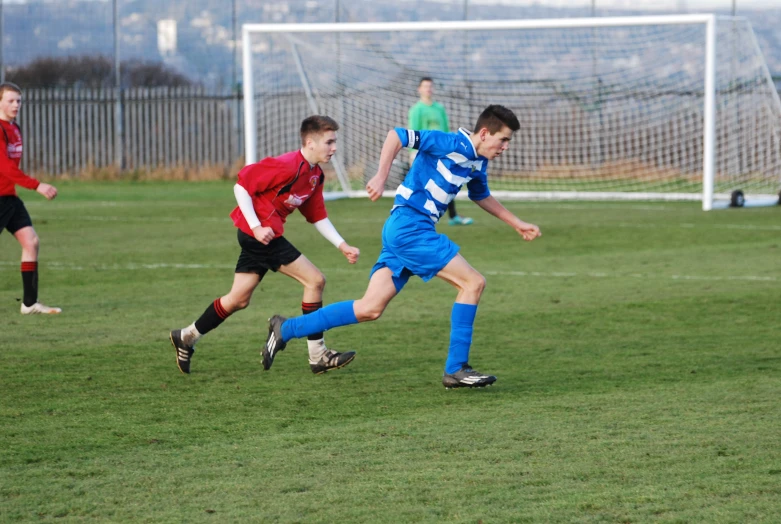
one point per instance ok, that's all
(411, 244)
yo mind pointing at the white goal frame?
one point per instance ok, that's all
(707, 20)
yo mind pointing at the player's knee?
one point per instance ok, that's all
(31, 243)
(233, 304)
(369, 315)
(367, 312)
(320, 281)
(242, 303)
(316, 282)
(476, 284)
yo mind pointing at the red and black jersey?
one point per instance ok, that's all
(278, 186)
(10, 157)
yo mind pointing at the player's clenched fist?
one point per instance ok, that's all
(528, 231)
(47, 190)
(264, 235)
(374, 188)
(350, 252)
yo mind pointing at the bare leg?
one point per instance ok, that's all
(461, 275)
(305, 272)
(378, 295)
(29, 242)
(239, 296)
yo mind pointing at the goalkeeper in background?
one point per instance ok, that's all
(429, 115)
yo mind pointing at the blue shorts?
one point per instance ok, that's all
(412, 246)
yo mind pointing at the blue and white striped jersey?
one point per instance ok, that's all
(444, 163)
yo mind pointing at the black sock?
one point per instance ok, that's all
(451, 209)
(214, 315)
(30, 283)
(311, 307)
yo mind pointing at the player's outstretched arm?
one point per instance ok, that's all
(390, 149)
(329, 232)
(526, 230)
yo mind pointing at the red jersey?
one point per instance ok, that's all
(10, 157)
(278, 186)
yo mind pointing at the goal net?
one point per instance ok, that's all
(664, 107)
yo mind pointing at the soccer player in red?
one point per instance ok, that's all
(13, 215)
(267, 192)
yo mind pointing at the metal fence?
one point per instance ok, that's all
(75, 130)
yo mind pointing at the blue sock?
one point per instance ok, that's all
(331, 316)
(462, 319)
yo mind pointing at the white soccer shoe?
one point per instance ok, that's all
(40, 309)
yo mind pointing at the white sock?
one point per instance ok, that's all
(190, 335)
(316, 350)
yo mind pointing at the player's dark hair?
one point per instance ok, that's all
(494, 117)
(316, 125)
(426, 79)
(9, 86)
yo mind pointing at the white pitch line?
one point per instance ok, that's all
(752, 278)
(59, 266)
(226, 219)
(743, 227)
(635, 207)
(131, 218)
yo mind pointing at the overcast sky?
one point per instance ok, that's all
(645, 5)
(668, 5)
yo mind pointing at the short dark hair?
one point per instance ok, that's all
(9, 86)
(426, 79)
(317, 124)
(494, 117)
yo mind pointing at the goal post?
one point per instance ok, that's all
(674, 107)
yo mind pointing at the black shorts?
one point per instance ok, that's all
(258, 258)
(13, 214)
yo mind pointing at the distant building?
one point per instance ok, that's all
(166, 37)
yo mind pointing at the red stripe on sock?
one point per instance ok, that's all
(311, 306)
(29, 266)
(220, 310)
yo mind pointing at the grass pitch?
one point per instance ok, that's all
(636, 347)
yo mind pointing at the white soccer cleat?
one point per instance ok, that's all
(40, 309)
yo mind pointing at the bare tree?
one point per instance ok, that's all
(94, 72)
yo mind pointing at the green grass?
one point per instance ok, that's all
(636, 347)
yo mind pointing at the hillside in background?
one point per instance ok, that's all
(205, 28)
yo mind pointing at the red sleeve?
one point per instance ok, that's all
(266, 174)
(314, 207)
(10, 171)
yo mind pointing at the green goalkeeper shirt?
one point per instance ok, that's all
(424, 117)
